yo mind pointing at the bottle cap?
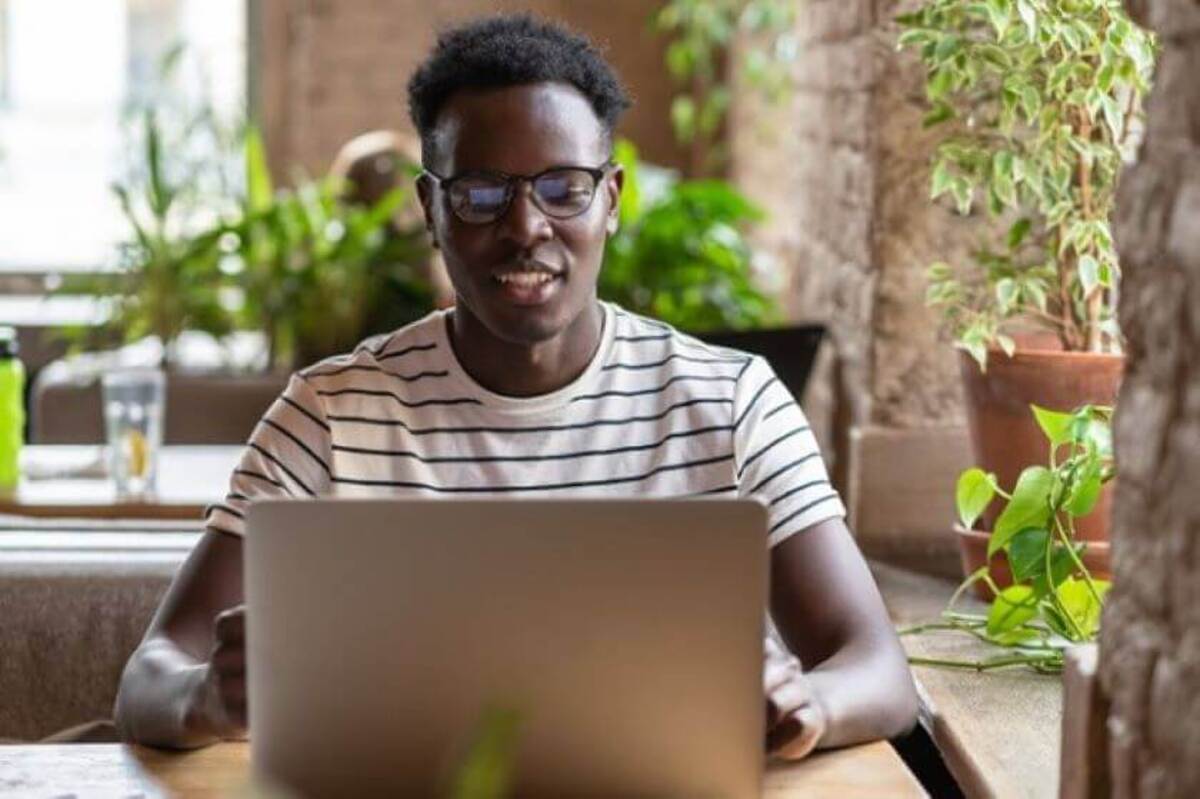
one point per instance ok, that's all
(8, 342)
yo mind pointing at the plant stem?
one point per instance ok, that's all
(1083, 570)
(1095, 297)
(1052, 661)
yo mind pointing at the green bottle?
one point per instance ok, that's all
(12, 410)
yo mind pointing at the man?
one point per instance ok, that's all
(531, 387)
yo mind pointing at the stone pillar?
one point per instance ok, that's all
(843, 168)
(1150, 644)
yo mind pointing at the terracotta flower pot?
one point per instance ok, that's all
(1004, 434)
(972, 549)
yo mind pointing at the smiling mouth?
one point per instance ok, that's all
(528, 285)
(525, 278)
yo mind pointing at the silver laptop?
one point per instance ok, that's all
(610, 647)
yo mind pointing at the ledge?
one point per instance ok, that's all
(999, 732)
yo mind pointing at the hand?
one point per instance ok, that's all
(223, 692)
(795, 719)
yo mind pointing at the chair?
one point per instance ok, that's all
(791, 351)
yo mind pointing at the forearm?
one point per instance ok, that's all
(867, 693)
(159, 702)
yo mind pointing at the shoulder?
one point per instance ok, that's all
(416, 342)
(639, 339)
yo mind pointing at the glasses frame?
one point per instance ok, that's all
(511, 182)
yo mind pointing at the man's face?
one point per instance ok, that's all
(522, 130)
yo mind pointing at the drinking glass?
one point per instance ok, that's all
(133, 422)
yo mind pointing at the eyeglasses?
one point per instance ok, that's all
(480, 198)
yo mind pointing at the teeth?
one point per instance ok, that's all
(525, 278)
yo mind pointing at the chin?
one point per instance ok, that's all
(527, 327)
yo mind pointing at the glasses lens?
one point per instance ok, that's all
(478, 199)
(565, 192)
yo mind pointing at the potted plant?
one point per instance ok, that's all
(1040, 101)
(681, 255)
(166, 278)
(319, 274)
(1045, 585)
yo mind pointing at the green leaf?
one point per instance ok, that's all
(1061, 566)
(1077, 600)
(1027, 553)
(683, 118)
(961, 189)
(941, 83)
(1018, 232)
(1013, 607)
(973, 494)
(947, 47)
(1089, 274)
(998, 16)
(681, 59)
(942, 180)
(1006, 344)
(1056, 425)
(940, 113)
(258, 175)
(1029, 507)
(976, 349)
(487, 770)
(1029, 17)
(1086, 490)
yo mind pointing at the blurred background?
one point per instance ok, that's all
(223, 188)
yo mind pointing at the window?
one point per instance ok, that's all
(70, 72)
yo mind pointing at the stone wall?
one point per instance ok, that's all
(327, 71)
(843, 167)
(1150, 648)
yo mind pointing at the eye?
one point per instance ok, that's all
(478, 198)
(566, 190)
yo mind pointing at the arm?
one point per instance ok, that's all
(185, 686)
(827, 608)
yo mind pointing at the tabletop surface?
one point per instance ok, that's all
(70, 480)
(861, 772)
(998, 731)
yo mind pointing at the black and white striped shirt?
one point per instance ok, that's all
(656, 413)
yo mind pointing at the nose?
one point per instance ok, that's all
(523, 223)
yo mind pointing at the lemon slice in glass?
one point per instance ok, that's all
(138, 452)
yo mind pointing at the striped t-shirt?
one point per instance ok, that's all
(655, 414)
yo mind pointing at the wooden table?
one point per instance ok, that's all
(862, 772)
(189, 479)
(998, 732)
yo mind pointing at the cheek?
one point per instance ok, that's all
(586, 240)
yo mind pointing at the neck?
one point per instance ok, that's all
(518, 369)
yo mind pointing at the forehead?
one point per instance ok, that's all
(519, 129)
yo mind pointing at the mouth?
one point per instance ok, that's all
(528, 283)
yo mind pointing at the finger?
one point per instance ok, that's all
(229, 659)
(791, 697)
(230, 625)
(774, 680)
(779, 673)
(797, 735)
(232, 690)
(782, 733)
(236, 713)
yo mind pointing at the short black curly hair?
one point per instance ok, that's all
(511, 50)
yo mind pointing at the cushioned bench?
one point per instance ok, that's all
(73, 605)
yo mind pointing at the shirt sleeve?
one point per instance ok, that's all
(777, 457)
(288, 455)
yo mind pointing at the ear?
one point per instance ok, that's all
(613, 185)
(425, 191)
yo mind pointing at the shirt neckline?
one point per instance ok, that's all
(540, 402)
